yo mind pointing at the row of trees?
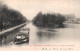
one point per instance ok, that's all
(49, 20)
(10, 18)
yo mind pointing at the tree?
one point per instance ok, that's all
(48, 20)
(10, 18)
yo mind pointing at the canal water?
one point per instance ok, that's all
(44, 36)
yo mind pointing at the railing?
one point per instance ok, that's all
(10, 29)
(6, 34)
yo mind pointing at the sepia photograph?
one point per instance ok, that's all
(39, 25)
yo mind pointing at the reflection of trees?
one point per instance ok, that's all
(48, 20)
(10, 17)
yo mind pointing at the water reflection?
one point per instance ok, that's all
(45, 35)
(55, 35)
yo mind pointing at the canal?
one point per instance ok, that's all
(44, 36)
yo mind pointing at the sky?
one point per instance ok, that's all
(30, 8)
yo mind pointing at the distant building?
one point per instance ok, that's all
(70, 17)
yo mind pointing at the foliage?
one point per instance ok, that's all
(10, 18)
(48, 20)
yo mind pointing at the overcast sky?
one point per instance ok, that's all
(29, 8)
